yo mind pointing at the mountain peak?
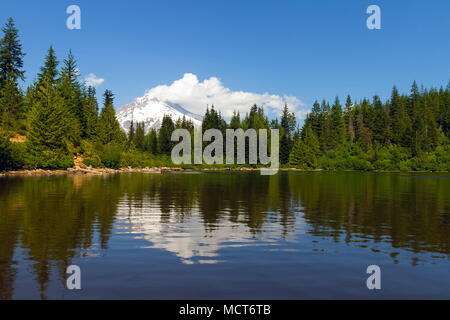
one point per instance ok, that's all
(151, 110)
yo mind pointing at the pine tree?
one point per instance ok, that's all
(312, 141)
(130, 134)
(235, 122)
(305, 151)
(424, 123)
(365, 136)
(349, 120)
(397, 113)
(165, 135)
(337, 123)
(11, 55)
(153, 141)
(444, 98)
(187, 124)
(90, 107)
(348, 102)
(327, 138)
(379, 121)
(70, 90)
(316, 119)
(414, 101)
(139, 137)
(49, 71)
(12, 111)
(47, 127)
(12, 115)
(108, 126)
(288, 124)
(213, 120)
(298, 155)
(48, 74)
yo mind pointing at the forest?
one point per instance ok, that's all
(57, 121)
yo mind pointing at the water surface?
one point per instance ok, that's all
(225, 235)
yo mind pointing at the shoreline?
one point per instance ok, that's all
(85, 171)
(107, 171)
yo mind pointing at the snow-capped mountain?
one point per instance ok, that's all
(151, 111)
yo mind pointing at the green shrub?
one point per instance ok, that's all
(391, 158)
(50, 160)
(18, 155)
(12, 155)
(138, 159)
(359, 163)
(94, 162)
(87, 148)
(91, 154)
(440, 158)
(110, 156)
(133, 159)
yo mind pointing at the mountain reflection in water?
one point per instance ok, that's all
(225, 226)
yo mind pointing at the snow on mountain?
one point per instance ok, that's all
(151, 111)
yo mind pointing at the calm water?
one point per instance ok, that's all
(225, 235)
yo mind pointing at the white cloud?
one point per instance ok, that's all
(194, 95)
(92, 80)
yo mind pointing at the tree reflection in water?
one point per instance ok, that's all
(46, 222)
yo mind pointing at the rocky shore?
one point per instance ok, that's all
(86, 171)
(83, 170)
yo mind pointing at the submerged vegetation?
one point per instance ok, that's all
(59, 118)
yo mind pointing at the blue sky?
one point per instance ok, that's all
(307, 49)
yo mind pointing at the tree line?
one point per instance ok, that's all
(407, 132)
(59, 119)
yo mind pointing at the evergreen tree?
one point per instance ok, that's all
(153, 141)
(165, 135)
(337, 123)
(187, 124)
(414, 101)
(349, 120)
(90, 107)
(131, 132)
(71, 92)
(47, 75)
(213, 120)
(444, 103)
(327, 137)
(348, 102)
(305, 151)
(12, 116)
(108, 126)
(11, 55)
(179, 123)
(316, 119)
(47, 128)
(424, 125)
(288, 124)
(363, 134)
(235, 122)
(12, 111)
(397, 113)
(49, 71)
(379, 121)
(139, 137)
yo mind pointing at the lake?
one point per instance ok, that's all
(193, 235)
